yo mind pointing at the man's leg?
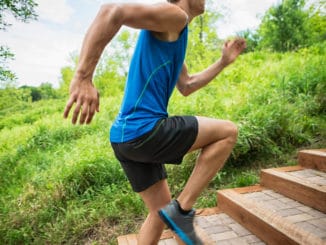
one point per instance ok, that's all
(155, 197)
(216, 139)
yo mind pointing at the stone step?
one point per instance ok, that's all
(220, 228)
(273, 217)
(307, 186)
(213, 226)
(287, 208)
(167, 238)
(315, 159)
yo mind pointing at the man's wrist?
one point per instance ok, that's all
(223, 63)
(82, 75)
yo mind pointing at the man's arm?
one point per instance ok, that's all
(163, 17)
(188, 84)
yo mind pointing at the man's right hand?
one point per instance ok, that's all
(87, 99)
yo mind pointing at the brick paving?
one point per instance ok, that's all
(223, 230)
(311, 175)
(305, 217)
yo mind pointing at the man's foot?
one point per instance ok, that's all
(181, 224)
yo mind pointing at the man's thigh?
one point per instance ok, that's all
(211, 130)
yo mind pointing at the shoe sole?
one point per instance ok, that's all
(174, 227)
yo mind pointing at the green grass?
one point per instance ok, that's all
(62, 184)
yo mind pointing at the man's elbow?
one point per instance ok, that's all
(111, 12)
(184, 90)
(186, 93)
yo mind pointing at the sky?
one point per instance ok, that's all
(44, 46)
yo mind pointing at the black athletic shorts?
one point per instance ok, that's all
(143, 158)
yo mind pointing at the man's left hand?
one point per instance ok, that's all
(232, 49)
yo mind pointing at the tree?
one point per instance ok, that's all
(284, 26)
(316, 23)
(34, 93)
(112, 71)
(48, 92)
(22, 10)
(5, 73)
(44, 92)
(252, 39)
(204, 46)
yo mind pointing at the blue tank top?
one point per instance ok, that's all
(154, 71)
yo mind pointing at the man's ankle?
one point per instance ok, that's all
(182, 211)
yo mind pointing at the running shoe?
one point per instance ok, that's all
(181, 224)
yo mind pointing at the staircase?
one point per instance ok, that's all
(288, 207)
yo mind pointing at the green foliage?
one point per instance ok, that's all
(289, 26)
(22, 10)
(274, 99)
(62, 183)
(11, 97)
(112, 72)
(252, 39)
(67, 74)
(203, 42)
(316, 23)
(44, 91)
(60, 175)
(283, 26)
(6, 76)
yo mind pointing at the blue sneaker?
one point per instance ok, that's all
(181, 224)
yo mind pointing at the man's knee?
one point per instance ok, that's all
(232, 132)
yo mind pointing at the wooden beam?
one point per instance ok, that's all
(295, 188)
(122, 240)
(249, 189)
(290, 168)
(266, 225)
(132, 239)
(315, 159)
(207, 211)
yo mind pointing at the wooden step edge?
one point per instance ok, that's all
(267, 225)
(321, 151)
(168, 234)
(132, 238)
(315, 159)
(289, 168)
(207, 211)
(248, 189)
(295, 188)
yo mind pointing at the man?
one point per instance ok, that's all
(143, 137)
